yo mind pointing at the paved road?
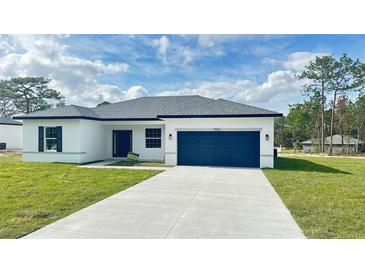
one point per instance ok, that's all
(185, 202)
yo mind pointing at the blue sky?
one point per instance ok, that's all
(253, 69)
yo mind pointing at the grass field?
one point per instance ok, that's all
(326, 196)
(33, 195)
(290, 151)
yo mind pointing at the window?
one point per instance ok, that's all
(153, 137)
(51, 138)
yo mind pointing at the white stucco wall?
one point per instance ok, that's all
(264, 125)
(92, 140)
(88, 140)
(12, 135)
(138, 138)
(71, 149)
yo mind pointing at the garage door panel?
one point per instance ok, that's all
(219, 148)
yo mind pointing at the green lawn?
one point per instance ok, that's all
(33, 195)
(290, 151)
(139, 163)
(326, 196)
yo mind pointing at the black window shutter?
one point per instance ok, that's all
(40, 139)
(59, 139)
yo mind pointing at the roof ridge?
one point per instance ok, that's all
(151, 96)
(191, 95)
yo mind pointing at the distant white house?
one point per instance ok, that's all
(340, 144)
(179, 130)
(11, 133)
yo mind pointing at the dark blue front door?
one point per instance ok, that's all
(219, 148)
(122, 143)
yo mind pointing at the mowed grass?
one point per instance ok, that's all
(326, 196)
(33, 195)
(290, 151)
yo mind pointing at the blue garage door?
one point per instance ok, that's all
(219, 148)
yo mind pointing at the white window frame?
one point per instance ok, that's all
(45, 140)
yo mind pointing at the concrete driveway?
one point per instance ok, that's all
(185, 202)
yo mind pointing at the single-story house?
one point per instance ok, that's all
(340, 144)
(11, 133)
(179, 130)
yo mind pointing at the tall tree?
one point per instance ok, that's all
(283, 136)
(318, 72)
(359, 118)
(344, 117)
(33, 94)
(300, 120)
(7, 107)
(342, 80)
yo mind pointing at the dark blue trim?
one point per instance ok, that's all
(159, 117)
(40, 139)
(87, 118)
(221, 116)
(9, 124)
(59, 139)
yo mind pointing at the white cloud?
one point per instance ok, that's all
(173, 54)
(211, 40)
(298, 60)
(214, 42)
(5, 47)
(99, 92)
(115, 94)
(188, 56)
(135, 92)
(74, 77)
(162, 44)
(280, 86)
(271, 61)
(206, 40)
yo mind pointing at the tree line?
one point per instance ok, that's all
(329, 85)
(26, 95)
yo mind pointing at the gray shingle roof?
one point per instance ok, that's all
(146, 108)
(9, 121)
(67, 111)
(336, 140)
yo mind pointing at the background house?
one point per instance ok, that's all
(340, 145)
(11, 133)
